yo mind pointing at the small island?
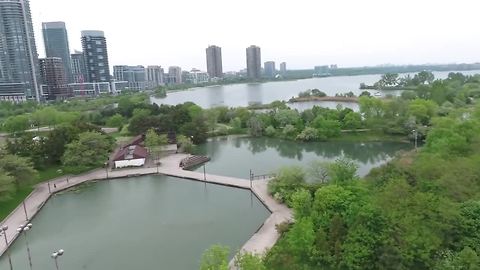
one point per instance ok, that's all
(393, 81)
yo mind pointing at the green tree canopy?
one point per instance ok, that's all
(91, 149)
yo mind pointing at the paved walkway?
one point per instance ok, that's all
(260, 242)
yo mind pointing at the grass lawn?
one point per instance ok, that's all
(44, 175)
(8, 206)
(50, 173)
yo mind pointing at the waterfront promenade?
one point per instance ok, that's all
(261, 241)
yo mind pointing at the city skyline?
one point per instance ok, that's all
(337, 41)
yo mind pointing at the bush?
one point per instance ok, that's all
(308, 134)
(270, 131)
(287, 181)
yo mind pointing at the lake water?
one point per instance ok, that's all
(145, 223)
(242, 95)
(236, 156)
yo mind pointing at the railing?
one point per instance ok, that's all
(254, 177)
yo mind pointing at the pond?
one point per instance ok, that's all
(153, 222)
(235, 156)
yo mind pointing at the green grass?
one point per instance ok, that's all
(51, 173)
(43, 175)
(10, 205)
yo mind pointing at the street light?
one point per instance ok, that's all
(25, 210)
(106, 167)
(3, 230)
(55, 256)
(25, 229)
(415, 134)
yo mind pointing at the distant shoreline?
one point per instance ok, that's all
(314, 98)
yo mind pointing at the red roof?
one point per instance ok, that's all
(131, 152)
(137, 140)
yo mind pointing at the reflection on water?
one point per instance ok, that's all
(153, 222)
(235, 156)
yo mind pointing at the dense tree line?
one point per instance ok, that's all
(420, 211)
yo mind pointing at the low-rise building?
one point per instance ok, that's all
(130, 156)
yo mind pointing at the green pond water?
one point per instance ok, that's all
(153, 222)
(236, 156)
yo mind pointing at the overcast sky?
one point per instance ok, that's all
(303, 33)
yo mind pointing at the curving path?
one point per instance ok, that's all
(259, 243)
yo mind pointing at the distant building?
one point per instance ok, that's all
(333, 66)
(54, 80)
(56, 45)
(283, 68)
(89, 89)
(19, 71)
(196, 76)
(155, 76)
(79, 69)
(174, 75)
(321, 71)
(95, 52)
(254, 62)
(136, 76)
(214, 62)
(270, 70)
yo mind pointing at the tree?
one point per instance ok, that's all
(326, 128)
(270, 131)
(186, 144)
(287, 117)
(352, 120)
(215, 258)
(116, 121)
(365, 94)
(15, 124)
(154, 142)
(308, 134)
(289, 131)
(7, 186)
(255, 127)
(19, 168)
(249, 261)
(300, 238)
(343, 171)
(197, 130)
(286, 182)
(236, 123)
(91, 149)
(318, 171)
(422, 110)
(56, 141)
(301, 202)
(47, 116)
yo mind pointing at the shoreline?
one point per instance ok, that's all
(315, 98)
(261, 240)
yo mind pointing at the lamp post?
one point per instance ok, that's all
(25, 210)
(106, 168)
(55, 256)
(3, 230)
(25, 229)
(49, 189)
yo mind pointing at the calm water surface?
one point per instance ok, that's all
(235, 156)
(153, 222)
(237, 95)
